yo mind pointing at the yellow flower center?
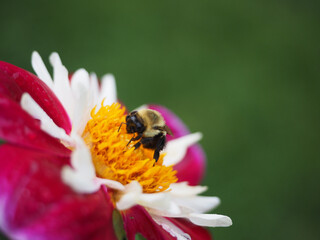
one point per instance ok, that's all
(114, 159)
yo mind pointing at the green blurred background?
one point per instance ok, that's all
(245, 73)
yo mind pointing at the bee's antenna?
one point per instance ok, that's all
(121, 126)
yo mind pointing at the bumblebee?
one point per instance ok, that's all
(150, 128)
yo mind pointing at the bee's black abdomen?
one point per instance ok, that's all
(154, 142)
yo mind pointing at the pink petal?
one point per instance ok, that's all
(137, 220)
(18, 127)
(195, 232)
(191, 168)
(36, 204)
(14, 81)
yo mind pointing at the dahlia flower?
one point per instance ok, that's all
(68, 172)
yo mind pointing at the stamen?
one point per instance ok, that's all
(117, 160)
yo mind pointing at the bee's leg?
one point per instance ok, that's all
(135, 138)
(137, 145)
(156, 155)
(130, 141)
(160, 145)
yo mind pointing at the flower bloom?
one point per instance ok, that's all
(68, 172)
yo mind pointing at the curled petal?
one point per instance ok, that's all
(176, 149)
(14, 81)
(210, 220)
(185, 198)
(36, 204)
(191, 168)
(18, 127)
(159, 202)
(81, 176)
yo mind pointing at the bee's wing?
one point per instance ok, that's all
(164, 128)
(168, 130)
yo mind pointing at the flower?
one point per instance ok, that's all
(67, 172)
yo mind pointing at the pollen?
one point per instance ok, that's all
(117, 160)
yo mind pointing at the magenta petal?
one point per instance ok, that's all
(14, 81)
(137, 220)
(18, 127)
(174, 123)
(195, 232)
(192, 167)
(36, 204)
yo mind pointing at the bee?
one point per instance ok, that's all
(150, 128)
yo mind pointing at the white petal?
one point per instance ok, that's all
(76, 181)
(130, 196)
(40, 69)
(81, 159)
(185, 199)
(55, 59)
(47, 125)
(94, 88)
(197, 204)
(210, 220)
(170, 210)
(181, 207)
(81, 176)
(62, 86)
(133, 195)
(108, 90)
(80, 85)
(182, 189)
(172, 229)
(176, 149)
(145, 106)
(80, 77)
(110, 183)
(160, 201)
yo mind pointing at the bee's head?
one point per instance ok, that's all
(134, 123)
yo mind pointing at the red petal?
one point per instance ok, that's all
(191, 168)
(137, 220)
(18, 127)
(195, 232)
(14, 81)
(36, 204)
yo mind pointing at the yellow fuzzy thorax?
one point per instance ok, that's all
(114, 160)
